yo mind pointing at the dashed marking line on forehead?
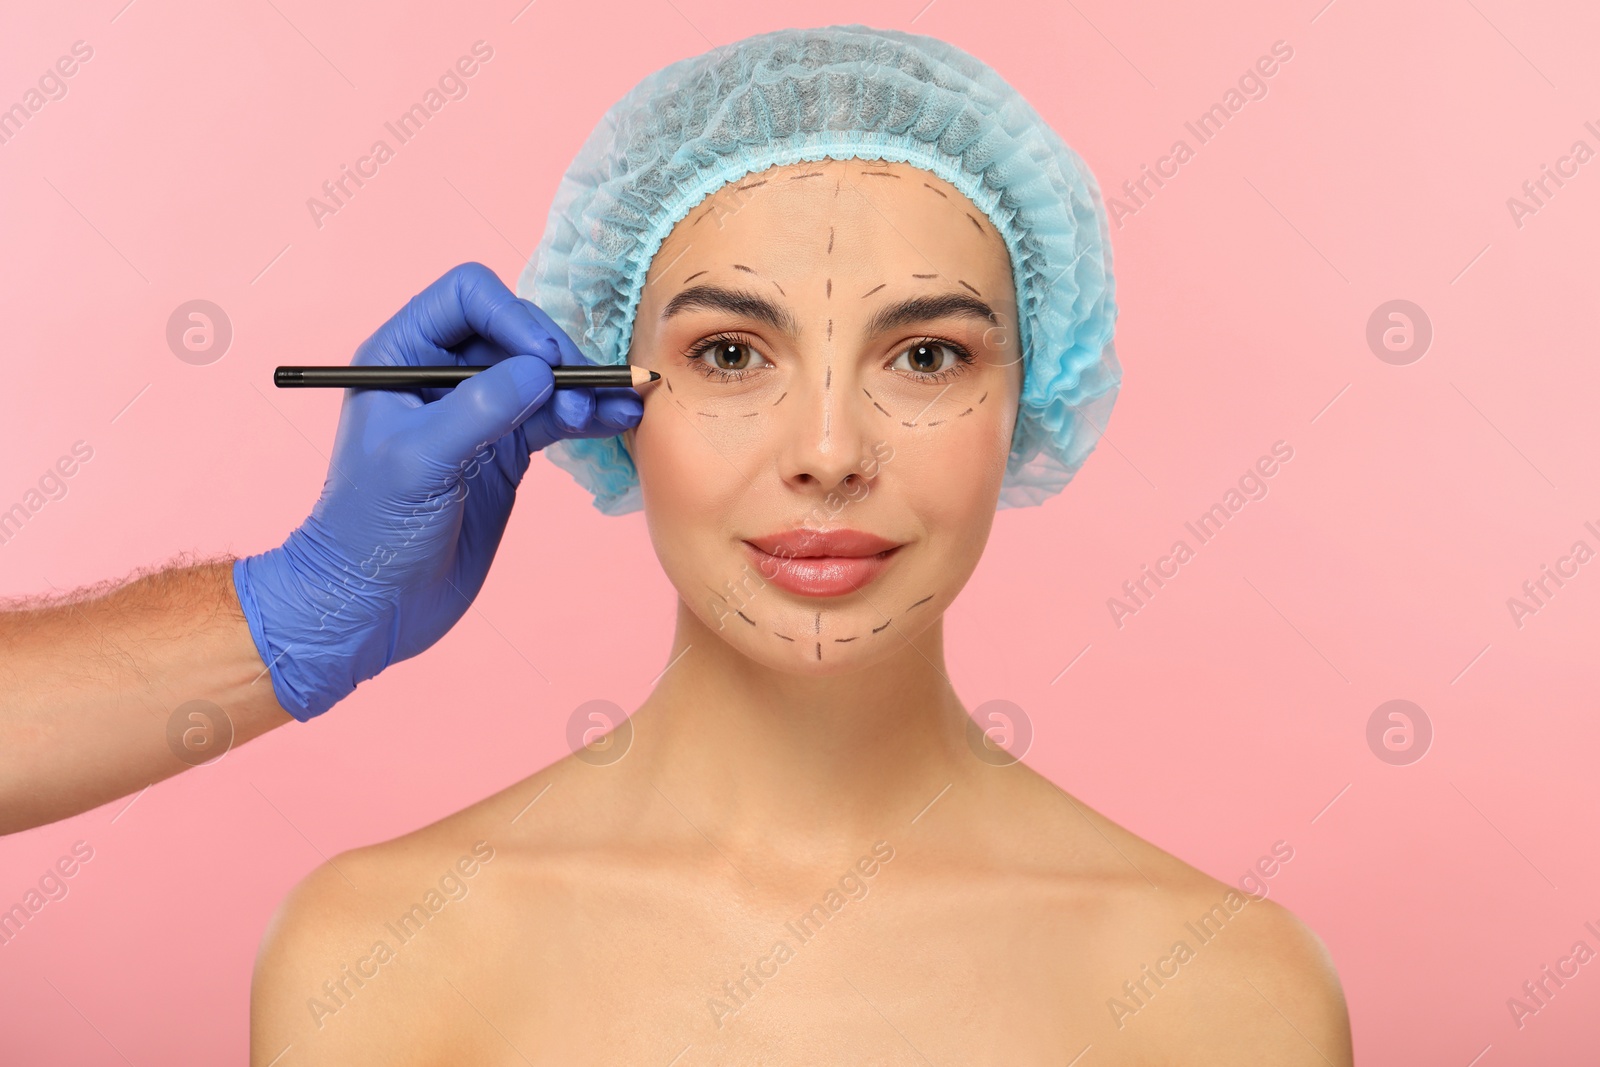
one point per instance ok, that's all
(752, 185)
(827, 376)
(974, 291)
(880, 174)
(925, 185)
(924, 275)
(693, 276)
(869, 292)
(975, 222)
(830, 329)
(830, 240)
(828, 294)
(802, 177)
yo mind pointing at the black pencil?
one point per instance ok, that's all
(407, 377)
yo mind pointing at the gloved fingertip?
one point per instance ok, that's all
(574, 408)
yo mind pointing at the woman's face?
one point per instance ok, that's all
(821, 462)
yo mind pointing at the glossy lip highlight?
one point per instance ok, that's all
(808, 542)
(819, 576)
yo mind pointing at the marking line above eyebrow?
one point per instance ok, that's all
(734, 302)
(916, 309)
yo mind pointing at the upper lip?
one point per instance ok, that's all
(806, 542)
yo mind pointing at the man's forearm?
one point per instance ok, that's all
(89, 686)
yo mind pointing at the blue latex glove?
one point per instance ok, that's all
(419, 489)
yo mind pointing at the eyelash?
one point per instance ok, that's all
(693, 357)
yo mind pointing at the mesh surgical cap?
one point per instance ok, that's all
(840, 92)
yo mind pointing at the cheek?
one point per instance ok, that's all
(691, 486)
(953, 472)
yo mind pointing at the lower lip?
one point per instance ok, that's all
(819, 575)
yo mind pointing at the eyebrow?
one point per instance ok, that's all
(920, 308)
(733, 301)
(906, 312)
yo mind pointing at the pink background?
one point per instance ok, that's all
(1224, 716)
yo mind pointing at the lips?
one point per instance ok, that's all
(821, 563)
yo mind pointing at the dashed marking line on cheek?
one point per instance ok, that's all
(778, 401)
(668, 381)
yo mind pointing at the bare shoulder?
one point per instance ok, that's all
(1191, 969)
(360, 956)
(1259, 985)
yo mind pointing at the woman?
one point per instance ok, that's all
(877, 289)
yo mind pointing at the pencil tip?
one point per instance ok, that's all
(654, 376)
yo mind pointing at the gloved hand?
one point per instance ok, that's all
(419, 489)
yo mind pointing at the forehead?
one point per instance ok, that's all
(859, 216)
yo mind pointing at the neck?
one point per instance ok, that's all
(759, 755)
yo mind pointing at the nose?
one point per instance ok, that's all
(824, 432)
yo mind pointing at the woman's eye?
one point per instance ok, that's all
(932, 359)
(727, 359)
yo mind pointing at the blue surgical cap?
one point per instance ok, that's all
(840, 92)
